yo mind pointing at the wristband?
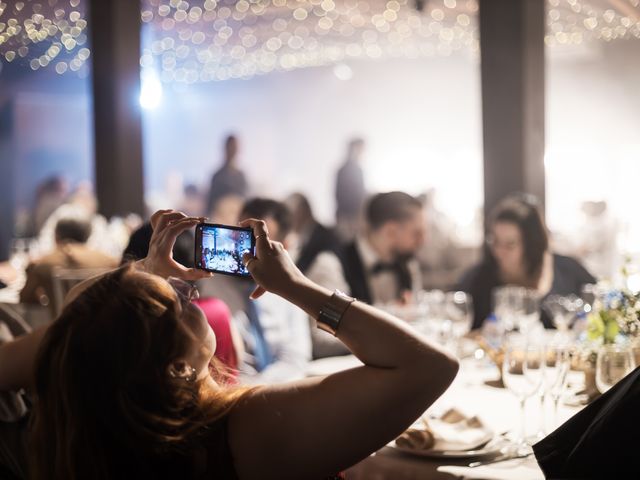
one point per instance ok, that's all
(332, 312)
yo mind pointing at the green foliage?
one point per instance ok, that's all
(603, 325)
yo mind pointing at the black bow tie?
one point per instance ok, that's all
(380, 267)
(399, 269)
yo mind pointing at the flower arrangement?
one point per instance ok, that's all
(616, 312)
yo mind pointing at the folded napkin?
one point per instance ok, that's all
(416, 439)
(453, 431)
(520, 469)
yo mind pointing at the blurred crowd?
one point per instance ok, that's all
(385, 248)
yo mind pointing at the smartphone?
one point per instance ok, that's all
(219, 248)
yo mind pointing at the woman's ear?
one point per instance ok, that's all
(181, 370)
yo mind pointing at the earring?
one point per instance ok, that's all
(192, 375)
(186, 372)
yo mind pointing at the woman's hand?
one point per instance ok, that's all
(167, 225)
(271, 267)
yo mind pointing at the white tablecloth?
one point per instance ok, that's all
(497, 408)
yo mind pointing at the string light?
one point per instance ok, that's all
(206, 40)
(44, 34)
(223, 39)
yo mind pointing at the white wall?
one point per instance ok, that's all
(420, 118)
(593, 139)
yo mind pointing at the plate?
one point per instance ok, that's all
(492, 447)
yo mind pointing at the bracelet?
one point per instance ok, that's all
(332, 312)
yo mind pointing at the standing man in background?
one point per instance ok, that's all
(229, 180)
(350, 191)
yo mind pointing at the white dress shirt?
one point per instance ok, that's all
(286, 331)
(285, 327)
(383, 286)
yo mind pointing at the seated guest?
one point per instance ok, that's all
(318, 257)
(50, 194)
(70, 251)
(275, 334)
(318, 247)
(123, 387)
(380, 265)
(192, 201)
(227, 209)
(229, 344)
(229, 348)
(138, 246)
(517, 253)
(8, 274)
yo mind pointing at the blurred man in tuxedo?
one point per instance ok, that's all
(379, 265)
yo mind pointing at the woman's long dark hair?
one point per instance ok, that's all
(522, 211)
(103, 395)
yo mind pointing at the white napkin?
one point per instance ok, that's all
(453, 431)
(518, 468)
(462, 435)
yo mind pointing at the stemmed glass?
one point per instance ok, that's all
(517, 308)
(529, 314)
(506, 305)
(458, 310)
(613, 364)
(522, 374)
(563, 311)
(557, 359)
(439, 324)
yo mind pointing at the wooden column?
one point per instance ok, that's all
(115, 53)
(7, 180)
(512, 54)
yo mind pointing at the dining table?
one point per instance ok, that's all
(473, 392)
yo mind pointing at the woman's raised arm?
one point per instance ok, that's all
(319, 426)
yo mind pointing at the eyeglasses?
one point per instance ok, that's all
(186, 291)
(508, 245)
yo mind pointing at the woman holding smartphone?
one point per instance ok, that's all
(124, 386)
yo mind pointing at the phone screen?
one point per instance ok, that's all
(219, 248)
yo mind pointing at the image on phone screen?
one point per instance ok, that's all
(219, 248)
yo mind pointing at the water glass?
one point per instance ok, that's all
(522, 374)
(458, 310)
(563, 311)
(613, 364)
(517, 308)
(557, 360)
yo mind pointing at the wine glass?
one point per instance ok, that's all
(557, 360)
(506, 306)
(563, 311)
(528, 317)
(458, 310)
(613, 364)
(522, 373)
(517, 308)
(441, 325)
